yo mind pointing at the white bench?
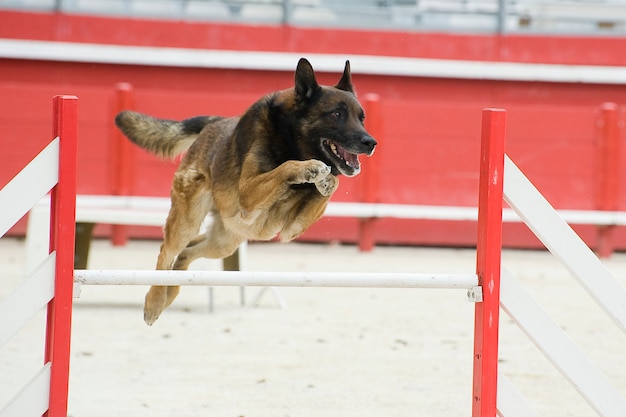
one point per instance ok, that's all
(152, 211)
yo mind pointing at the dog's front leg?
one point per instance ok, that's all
(261, 191)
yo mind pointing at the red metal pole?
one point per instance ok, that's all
(369, 177)
(62, 231)
(607, 179)
(123, 158)
(488, 259)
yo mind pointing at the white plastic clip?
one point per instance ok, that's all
(475, 294)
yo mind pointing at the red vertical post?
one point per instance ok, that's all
(488, 260)
(607, 178)
(62, 225)
(123, 158)
(370, 173)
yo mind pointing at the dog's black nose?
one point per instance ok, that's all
(369, 142)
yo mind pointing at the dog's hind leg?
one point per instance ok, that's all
(217, 242)
(191, 202)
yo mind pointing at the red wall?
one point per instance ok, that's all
(428, 149)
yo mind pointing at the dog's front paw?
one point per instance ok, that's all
(327, 185)
(313, 171)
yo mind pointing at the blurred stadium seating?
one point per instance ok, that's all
(482, 16)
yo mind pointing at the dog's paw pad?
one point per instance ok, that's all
(317, 171)
(327, 186)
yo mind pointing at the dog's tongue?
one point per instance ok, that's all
(351, 159)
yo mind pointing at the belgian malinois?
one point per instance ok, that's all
(269, 172)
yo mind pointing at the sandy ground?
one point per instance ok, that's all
(331, 352)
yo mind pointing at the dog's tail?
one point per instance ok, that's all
(165, 138)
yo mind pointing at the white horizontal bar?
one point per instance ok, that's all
(109, 209)
(123, 202)
(156, 217)
(452, 213)
(593, 217)
(121, 216)
(28, 186)
(283, 61)
(400, 211)
(275, 279)
(152, 211)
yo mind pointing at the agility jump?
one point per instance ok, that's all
(47, 392)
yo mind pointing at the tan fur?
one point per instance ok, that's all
(250, 175)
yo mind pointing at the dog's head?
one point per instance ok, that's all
(332, 120)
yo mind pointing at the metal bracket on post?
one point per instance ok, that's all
(475, 294)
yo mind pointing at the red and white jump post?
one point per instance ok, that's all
(62, 234)
(53, 170)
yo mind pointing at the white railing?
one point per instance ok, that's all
(583, 265)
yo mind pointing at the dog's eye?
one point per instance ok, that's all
(335, 115)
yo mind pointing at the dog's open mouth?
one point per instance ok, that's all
(348, 162)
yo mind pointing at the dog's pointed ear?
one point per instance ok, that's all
(306, 84)
(345, 83)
